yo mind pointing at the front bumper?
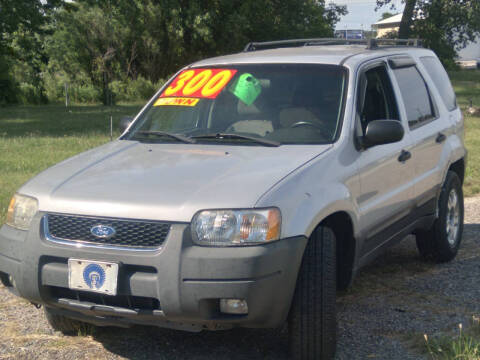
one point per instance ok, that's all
(182, 282)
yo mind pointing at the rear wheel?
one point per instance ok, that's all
(312, 319)
(442, 240)
(66, 325)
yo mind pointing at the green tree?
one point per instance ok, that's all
(85, 41)
(446, 26)
(386, 15)
(122, 40)
(29, 61)
(234, 23)
(20, 20)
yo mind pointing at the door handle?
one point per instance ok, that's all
(404, 156)
(440, 138)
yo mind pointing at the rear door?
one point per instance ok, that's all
(429, 126)
(386, 174)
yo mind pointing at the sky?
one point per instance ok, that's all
(362, 13)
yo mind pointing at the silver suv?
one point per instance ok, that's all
(246, 192)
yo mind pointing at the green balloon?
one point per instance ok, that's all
(246, 88)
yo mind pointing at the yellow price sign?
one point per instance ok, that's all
(179, 101)
(199, 83)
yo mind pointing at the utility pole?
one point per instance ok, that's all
(109, 92)
(66, 94)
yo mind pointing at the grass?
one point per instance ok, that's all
(32, 138)
(467, 87)
(465, 345)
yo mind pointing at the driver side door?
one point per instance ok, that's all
(386, 173)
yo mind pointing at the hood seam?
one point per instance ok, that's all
(289, 173)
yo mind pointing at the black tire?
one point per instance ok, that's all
(312, 319)
(66, 325)
(434, 243)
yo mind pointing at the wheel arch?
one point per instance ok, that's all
(458, 167)
(342, 225)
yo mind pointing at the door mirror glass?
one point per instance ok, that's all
(380, 132)
(125, 123)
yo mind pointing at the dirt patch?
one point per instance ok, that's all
(391, 304)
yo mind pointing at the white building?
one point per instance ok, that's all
(388, 25)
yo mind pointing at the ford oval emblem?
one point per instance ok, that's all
(102, 231)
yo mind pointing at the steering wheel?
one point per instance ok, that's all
(305, 123)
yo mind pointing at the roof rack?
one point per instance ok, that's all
(370, 43)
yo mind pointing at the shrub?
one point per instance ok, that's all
(30, 94)
(85, 94)
(140, 89)
(131, 90)
(8, 89)
(54, 87)
(81, 90)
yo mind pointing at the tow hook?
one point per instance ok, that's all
(38, 306)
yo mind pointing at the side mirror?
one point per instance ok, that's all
(125, 123)
(381, 132)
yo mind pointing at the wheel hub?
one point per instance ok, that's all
(453, 216)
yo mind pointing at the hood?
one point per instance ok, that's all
(169, 182)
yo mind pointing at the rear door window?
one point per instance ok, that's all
(440, 78)
(416, 96)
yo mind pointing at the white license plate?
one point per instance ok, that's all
(96, 276)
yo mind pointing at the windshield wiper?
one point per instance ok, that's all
(178, 137)
(221, 136)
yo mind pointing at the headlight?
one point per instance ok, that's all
(21, 211)
(236, 227)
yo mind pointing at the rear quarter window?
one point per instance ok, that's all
(441, 80)
(416, 97)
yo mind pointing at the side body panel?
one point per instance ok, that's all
(384, 197)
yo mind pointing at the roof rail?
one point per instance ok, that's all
(370, 43)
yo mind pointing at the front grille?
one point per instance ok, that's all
(128, 233)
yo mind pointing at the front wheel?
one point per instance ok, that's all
(312, 319)
(442, 240)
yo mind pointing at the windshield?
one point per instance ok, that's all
(280, 103)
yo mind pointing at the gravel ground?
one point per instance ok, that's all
(391, 304)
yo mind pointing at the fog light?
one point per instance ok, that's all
(233, 306)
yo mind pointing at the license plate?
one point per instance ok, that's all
(95, 276)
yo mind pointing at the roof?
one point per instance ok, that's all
(395, 19)
(331, 54)
(323, 54)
